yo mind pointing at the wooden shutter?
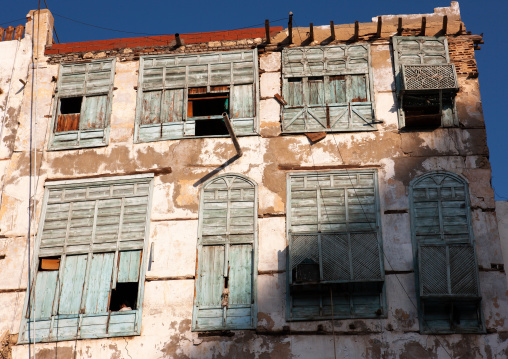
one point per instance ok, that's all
(99, 283)
(449, 292)
(447, 270)
(94, 82)
(174, 74)
(411, 50)
(92, 226)
(332, 222)
(103, 215)
(327, 89)
(225, 285)
(440, 210)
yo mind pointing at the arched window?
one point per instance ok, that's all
(227, 252)
(444, 253)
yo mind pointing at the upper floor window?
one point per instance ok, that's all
(185, 95)
(83, 105)
(444, 252)
(426, 82)
(327, 89)
(225, 295)
(88, 271)
(335, 262)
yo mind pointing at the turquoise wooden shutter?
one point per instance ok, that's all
(99, 283)
(94, 82)
(334, 238)
(93, 226)
(172, 75)
(225, 284)
(45, 290)
(72, 283)
(327, 89)
(447, 271)
(128, 268)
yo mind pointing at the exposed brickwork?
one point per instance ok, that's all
(159, 41)
(461, 50)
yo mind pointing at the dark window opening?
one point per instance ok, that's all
(423, 111)
(207, 104)
(49, 264)
(212, 127)
(70, 108)
(124, 297)
(306, 271)
(442, 315)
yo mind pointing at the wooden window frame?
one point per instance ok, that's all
(81, 138)
(119, 249)
(328, 116)
(450, 298)
(449, 117)
(168, 130)
(346, 287)
(227, 243)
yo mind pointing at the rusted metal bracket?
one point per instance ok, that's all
(227, 122)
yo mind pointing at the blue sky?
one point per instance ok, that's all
(168, 17)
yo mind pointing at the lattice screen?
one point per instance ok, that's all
(429, 77)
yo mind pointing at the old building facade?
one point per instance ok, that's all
(349, 214)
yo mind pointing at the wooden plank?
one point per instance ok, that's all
(72, 284)
(240, 275)
(45, 289)
(99, 283)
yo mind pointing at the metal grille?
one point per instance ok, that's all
(335, 257)
(436, 279)
(365, 257)
(429, 77)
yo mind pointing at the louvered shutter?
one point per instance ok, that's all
(226, 254)
(327, 89)
(445, 254)
(94, 82)
(333, 223)
(447, 270)
(91, 226)
(169, 77)
(334, 238)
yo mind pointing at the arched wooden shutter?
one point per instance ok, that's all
(445, 253)
(225, 283)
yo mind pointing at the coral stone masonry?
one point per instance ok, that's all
(273, 192)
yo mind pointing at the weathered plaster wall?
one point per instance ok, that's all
(502, 222)
(181, 166)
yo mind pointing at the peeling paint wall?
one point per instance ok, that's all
(180, 168)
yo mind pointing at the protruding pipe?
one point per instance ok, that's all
(178, 40)
(445, 24)
(227, 122)
(311, 32)
(357, 31)
(424, 24)
(332, 30)
(399, 27)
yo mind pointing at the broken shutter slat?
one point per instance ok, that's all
(99, 283)
(94, 115)
(72, 284)
(128, 267)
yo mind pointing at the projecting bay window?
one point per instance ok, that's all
(89, 269)
(83, 105)
(185, 95)
(444, 254)
(327, 89)
(335, 261)
(426, 82)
